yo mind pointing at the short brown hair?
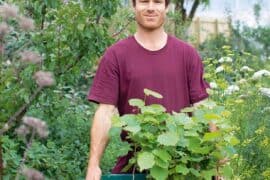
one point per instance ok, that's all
(167, 2)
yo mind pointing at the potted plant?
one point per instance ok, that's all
(178, 146)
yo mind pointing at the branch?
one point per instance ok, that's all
(28, 146)
(20, 113)
(125, 27)
(193, 9)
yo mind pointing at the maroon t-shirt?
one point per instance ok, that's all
(175, 71)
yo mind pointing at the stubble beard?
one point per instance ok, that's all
(150, 28)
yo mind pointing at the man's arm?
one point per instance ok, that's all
(99, 139)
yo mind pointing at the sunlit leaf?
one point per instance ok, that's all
(149, 92)
(145, 160)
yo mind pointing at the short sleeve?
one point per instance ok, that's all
(197, 85)
(105, 86)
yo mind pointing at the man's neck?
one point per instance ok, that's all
(151, 40)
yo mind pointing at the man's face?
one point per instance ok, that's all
(150, 14)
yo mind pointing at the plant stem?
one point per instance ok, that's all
(28, 146)
(1, 160)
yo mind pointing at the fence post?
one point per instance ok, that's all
(197, 30)
(216, 27)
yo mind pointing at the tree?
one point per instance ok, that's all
(181, 7)
(183, 16)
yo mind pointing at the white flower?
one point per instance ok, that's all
(265, 91)
(219, 69)
(259, 74)
(225, 59)
(246, 69)
(266, 109)
(231, 89)
(213, 85)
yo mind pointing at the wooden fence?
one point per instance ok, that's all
(201, 29)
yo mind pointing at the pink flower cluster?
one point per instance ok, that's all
(30, 56)
(38, 125)
(10, 11)
(22, 130)
(26, 24)
(44, 79)
(4, 29)
(32, 174)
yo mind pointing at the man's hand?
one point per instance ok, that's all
(93, 173)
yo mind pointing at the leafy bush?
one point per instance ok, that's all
(177, 145)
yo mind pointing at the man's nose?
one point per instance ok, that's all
(150, 6)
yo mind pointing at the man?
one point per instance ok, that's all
(149, 59)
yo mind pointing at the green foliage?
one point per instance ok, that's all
(169, 145)
(247, 106)
(71, 40)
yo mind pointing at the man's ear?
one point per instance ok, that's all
(167, 9)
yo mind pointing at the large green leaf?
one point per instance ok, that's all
(212, 116)
(116, 122)
(136, 102)
(129, 119)
(153, 109)
(168, 139)
(134, 129)
(162, 154)
(202, 150)
(159, 173)
(211, 136)
(161, 163)
(234, 141)
(132, 125)
(194, 172)
(145, 160)
(188, 109)
(227, 171)
(149, 92)
(208, 174)
(114, 131)
(193, 142)
(181, 168)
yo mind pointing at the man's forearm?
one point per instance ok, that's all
(99, 134)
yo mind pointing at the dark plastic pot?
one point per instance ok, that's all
(124, 177)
